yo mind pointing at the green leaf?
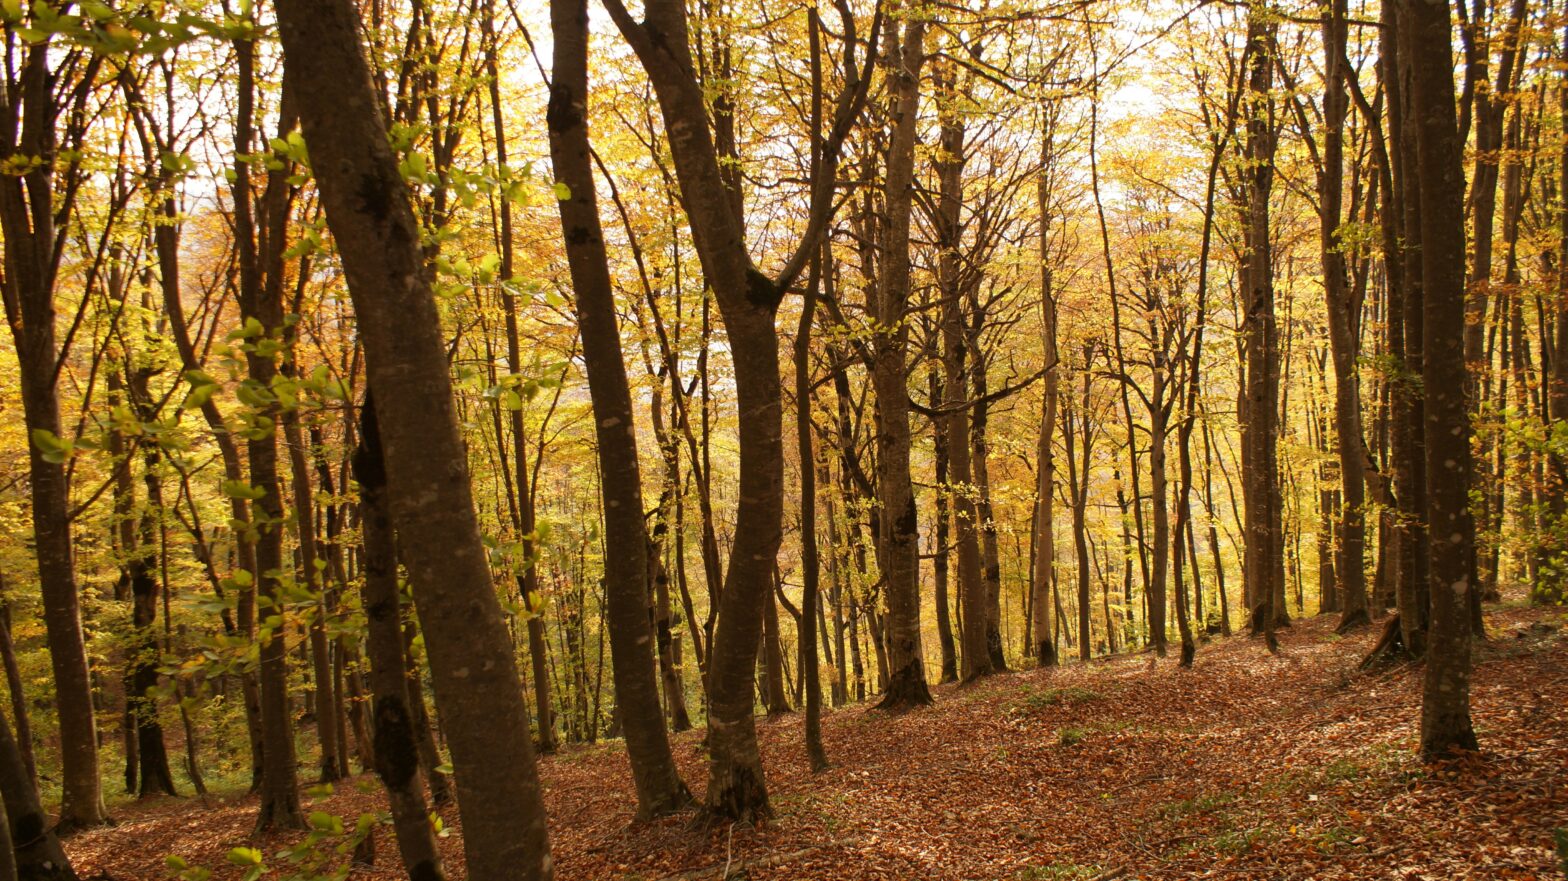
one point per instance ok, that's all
(50, 446)
(239, 489)
(562, 191)
(251, 329)
(198, 397)
(245, 856)
(325, 822)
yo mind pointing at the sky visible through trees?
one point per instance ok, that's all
(401, 395)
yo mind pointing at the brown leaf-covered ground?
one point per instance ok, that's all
(1247, 766)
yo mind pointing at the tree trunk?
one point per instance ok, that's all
(1445, 710)
(367, 208)
(941, 555)
(900, 533)
(659, 787)
(1555, 587)
(326, 705)
(1041, 620)
(38, 855)
(396, 750)
(809, 564)
(1264, 576)
(27, 219)
(1344, 336)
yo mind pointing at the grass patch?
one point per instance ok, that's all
(1072, 734)
(1070, 696)
(1057, 872)
(1333, 838)
(1238, 841)
(1200, 804)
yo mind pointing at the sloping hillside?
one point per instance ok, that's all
(1247, 766)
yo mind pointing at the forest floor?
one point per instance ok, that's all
(1245, 767)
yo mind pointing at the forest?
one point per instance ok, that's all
(675, 439)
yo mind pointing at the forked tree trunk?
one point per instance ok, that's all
(28, 221)
(368, 210)
(748, 300)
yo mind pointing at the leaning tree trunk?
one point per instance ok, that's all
(1445, 708)
(396, 750)
(659, 787)
(36, 847)
(748, 301)
(368, 211)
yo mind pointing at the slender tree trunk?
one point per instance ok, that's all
(396, 750)
(1041, 619)
(326, 704)
(941, 555)
(659, 787)
(810, 565)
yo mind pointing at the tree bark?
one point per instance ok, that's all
(37, 850)
(1344, 336)
(906, 686)
(396, 750)
(28, 221)
(1445, 709)
(368, 210)
(659, 787)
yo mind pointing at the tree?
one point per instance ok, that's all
(367, 209)
(900, 538)
(659, 787)
(1445, 706)
(747, 300)
(46, 86)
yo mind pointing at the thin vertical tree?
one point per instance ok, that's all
(659, 787)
